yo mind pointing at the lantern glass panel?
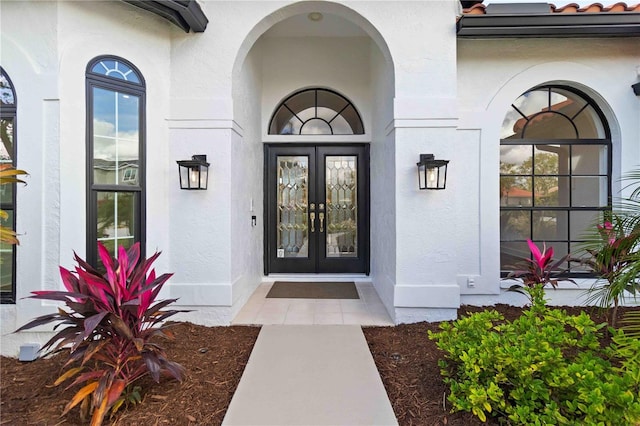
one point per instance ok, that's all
(432, 177)
(422, 176)
(203, 171)
(442, 176)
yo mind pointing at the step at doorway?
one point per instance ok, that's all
(367, 310)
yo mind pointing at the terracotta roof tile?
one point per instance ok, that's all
(516, 192)
(570, 8)
(476, 9)
(480, 9)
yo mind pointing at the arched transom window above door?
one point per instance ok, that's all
(316, 112)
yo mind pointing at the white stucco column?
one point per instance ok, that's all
(425, 121)
(427, 244)
(199, 235)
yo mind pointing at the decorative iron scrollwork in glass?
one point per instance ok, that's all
(292, 229)
(342, 206)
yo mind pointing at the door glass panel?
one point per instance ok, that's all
(342, 207)
(291, 227)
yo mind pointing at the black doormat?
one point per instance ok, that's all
(313, 290)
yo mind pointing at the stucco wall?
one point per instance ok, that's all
(425, 118)
(291, 64)
(491, 75)
(383, 167)
(47, 63)
(32, 67)
(419, 90)
(422, 52)
(247, 181)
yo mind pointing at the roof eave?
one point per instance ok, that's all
(549, 25)
(185, 14)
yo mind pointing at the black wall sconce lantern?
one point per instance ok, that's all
(636, 89)
(194, 173)
(432, 173)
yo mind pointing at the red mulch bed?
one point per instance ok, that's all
(215, 357)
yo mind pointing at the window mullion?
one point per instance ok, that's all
(117, 134)
(554, 215)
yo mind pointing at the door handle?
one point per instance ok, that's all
(321, 217)
(312, 218)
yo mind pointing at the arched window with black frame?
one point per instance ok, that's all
(555, 173)
(115, 155)
(8, 115)
(316, 112)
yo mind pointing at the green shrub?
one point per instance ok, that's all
(544, 368)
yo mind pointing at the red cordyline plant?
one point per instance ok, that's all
(615, 252)
(539, 271)
(110, 321)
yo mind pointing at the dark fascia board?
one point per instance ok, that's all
(636, 88)
(185, 14)
(609, 24)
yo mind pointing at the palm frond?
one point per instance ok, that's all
(631, 324)
(634, 177)
(8, 174)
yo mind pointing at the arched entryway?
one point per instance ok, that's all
(299, 49)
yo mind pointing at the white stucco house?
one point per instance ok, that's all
(312, 116)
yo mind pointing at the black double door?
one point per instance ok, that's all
(317, 209)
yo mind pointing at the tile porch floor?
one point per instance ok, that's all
(368, 310)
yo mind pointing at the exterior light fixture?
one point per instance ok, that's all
(315, 16)
(194, 173)
(432, 173)
(636, 89)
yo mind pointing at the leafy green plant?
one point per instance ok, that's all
(611, 255)
(612, 251)
(109, 326)
(130, 396)
(8, 176)
(631, 324)
(546, 367)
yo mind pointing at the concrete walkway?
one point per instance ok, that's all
(310, 375)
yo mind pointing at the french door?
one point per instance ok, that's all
(317, 209)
